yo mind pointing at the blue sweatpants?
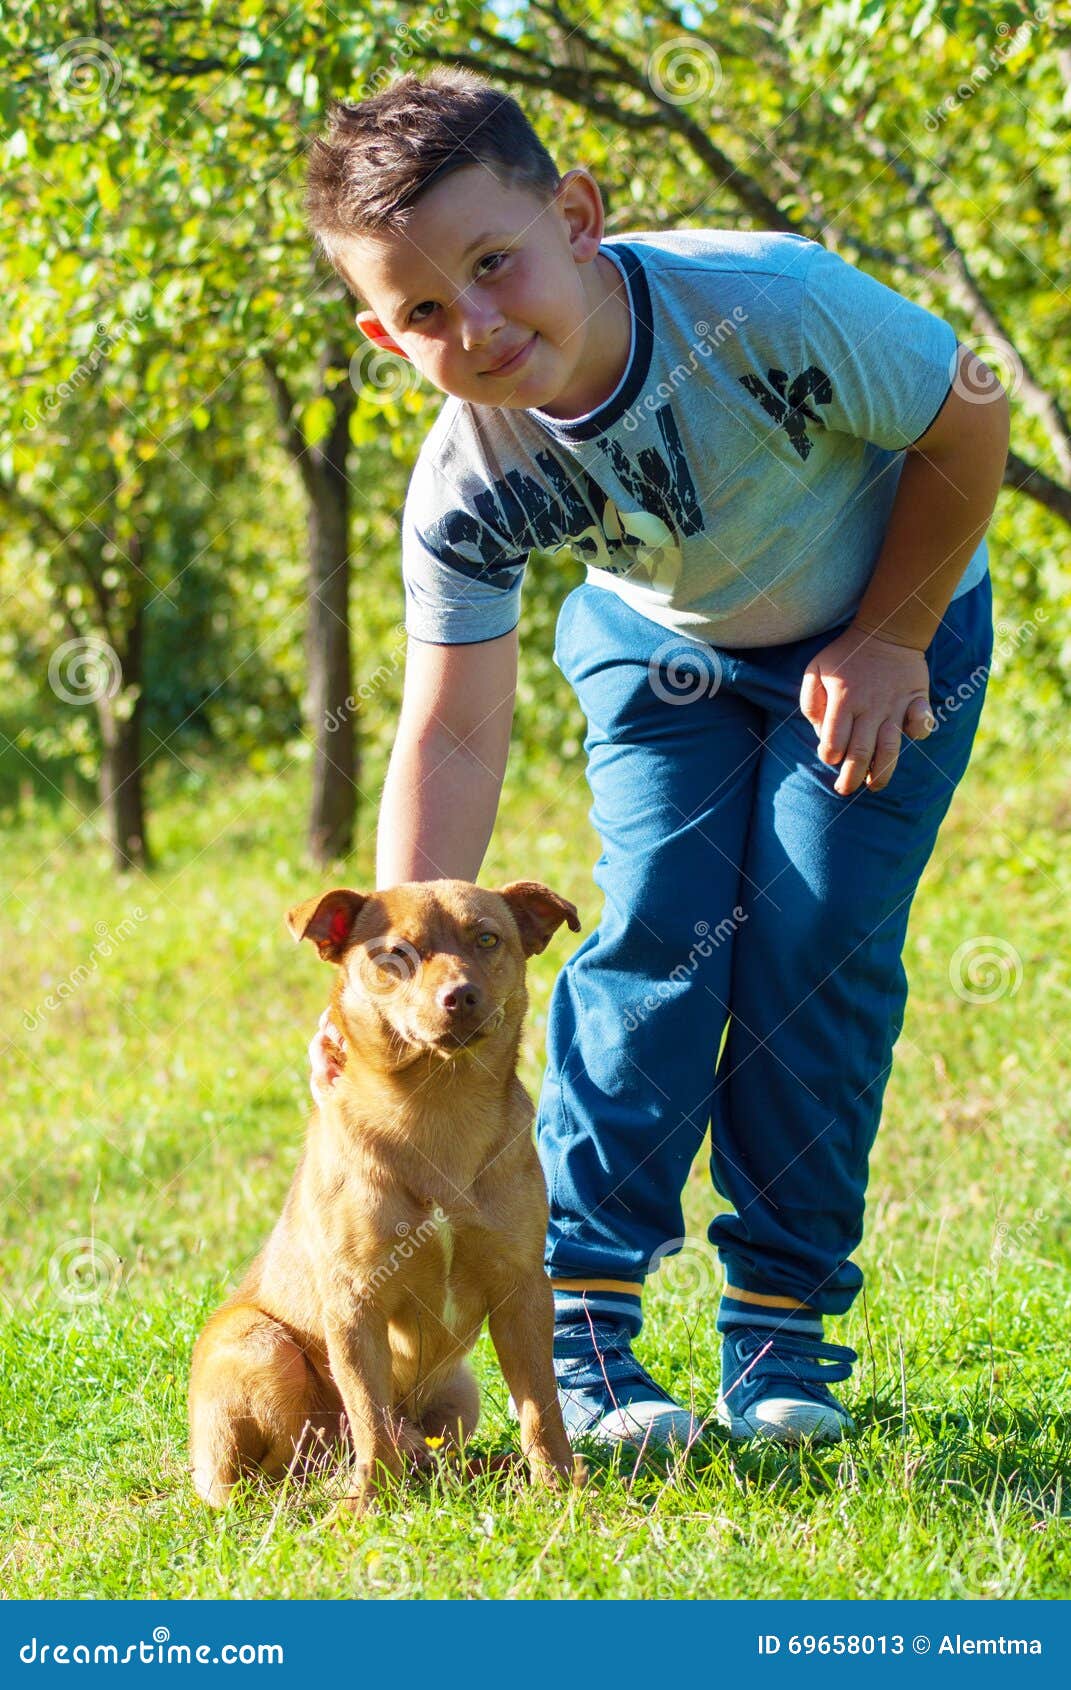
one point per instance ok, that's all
(741, 889)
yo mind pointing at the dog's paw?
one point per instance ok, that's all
(559, 1475)
(354, 1506)
(355, 1493)
(415, 1447)
(492, 1466)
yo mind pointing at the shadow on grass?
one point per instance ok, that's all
(1017, 1455)
(1020, 1455)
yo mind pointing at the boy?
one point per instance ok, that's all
(779, 474)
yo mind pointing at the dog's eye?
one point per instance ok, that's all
(397, 959)
(487, 940)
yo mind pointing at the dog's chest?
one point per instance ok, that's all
(446, 1244)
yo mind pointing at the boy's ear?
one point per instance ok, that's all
(370, 325)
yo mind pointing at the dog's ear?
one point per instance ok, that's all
(327, 920)
(538, 912)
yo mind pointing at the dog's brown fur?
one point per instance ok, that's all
(417, 1209)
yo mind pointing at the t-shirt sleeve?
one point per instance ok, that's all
(888, 362)
(462, 577)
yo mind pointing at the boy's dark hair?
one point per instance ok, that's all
(378, 155)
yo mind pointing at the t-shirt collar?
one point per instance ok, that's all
(639, 360)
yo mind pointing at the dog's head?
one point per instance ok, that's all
(431, 965)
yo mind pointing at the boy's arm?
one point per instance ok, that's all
(945, 497)
(440, 797)
(859, 691)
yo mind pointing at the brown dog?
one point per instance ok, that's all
(417, 1209)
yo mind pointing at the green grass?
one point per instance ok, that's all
(158, 1111)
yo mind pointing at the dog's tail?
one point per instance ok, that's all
(216, 1458)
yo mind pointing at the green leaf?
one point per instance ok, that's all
(317, 419)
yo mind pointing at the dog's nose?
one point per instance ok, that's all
(462, 995)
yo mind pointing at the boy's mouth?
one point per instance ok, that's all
(514, 361)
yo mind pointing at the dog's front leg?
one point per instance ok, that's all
(358, 1353)
(522, 1331)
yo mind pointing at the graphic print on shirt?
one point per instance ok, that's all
(800, 353)
(789, 408)
(645, 542)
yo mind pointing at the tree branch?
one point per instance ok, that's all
(291, 434)
(965, 286)
(575, 85)
(1027, 478)
(36, 516)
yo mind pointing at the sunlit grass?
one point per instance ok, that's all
(157, 1108)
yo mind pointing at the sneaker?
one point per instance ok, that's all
(775, 1385)
(606, 1395)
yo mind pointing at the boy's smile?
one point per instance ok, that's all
(496, 297)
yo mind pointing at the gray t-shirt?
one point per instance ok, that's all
(735, 487)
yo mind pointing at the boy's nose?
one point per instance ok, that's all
(478, 323)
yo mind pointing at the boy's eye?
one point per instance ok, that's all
(414, 318)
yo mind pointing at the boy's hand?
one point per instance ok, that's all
(858, 693)
(327, 1053)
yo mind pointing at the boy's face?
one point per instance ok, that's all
(457, 305)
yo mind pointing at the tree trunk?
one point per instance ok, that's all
(331, 703)
(121, 789)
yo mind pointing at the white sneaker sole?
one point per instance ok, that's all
(647, 1426)
(786, 1420)
(644, 1425)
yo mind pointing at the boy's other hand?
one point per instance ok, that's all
(327, 1054)
(859, 693)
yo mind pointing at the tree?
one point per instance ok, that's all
(804, 117)
(210, 228)
(321, 458)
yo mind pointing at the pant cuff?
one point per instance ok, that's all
(766, 1310)
(576, 1301)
